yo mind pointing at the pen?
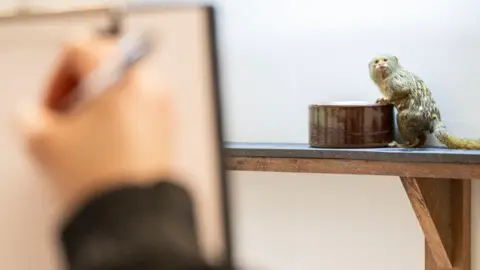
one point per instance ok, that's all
(130, 49)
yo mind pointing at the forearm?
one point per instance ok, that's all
(134, 228)
(397, 96)
(396, 92)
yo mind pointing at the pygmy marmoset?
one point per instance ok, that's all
(417, 112)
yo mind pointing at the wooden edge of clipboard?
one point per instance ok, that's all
(22, 13)
(34, 13)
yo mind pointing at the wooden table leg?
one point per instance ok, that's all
(442, 207)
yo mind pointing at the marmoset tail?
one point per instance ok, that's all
(450, 141)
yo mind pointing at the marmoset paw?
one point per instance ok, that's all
(382, 100)
(393, 144)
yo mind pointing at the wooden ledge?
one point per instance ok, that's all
(436, 180)
(300, 150)
(424, 162)
(339, 166)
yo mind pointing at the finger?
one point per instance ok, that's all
(32, 124)
(27, 120)
(76, 61)
(64, 79)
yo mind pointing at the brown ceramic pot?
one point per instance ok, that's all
(350, 125)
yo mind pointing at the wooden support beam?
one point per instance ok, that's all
(442, 207)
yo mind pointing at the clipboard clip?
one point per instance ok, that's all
(115, 25)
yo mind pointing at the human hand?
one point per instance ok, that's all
(123, 136)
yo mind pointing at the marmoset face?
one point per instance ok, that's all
(383, 64)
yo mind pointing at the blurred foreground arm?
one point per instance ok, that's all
(138, 228)
(110, 165)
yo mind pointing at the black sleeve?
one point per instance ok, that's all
(141, 228)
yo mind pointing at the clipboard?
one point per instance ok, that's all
(186, 59)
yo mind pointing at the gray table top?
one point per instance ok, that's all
(300, 150)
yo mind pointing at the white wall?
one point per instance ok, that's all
(280, 55)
